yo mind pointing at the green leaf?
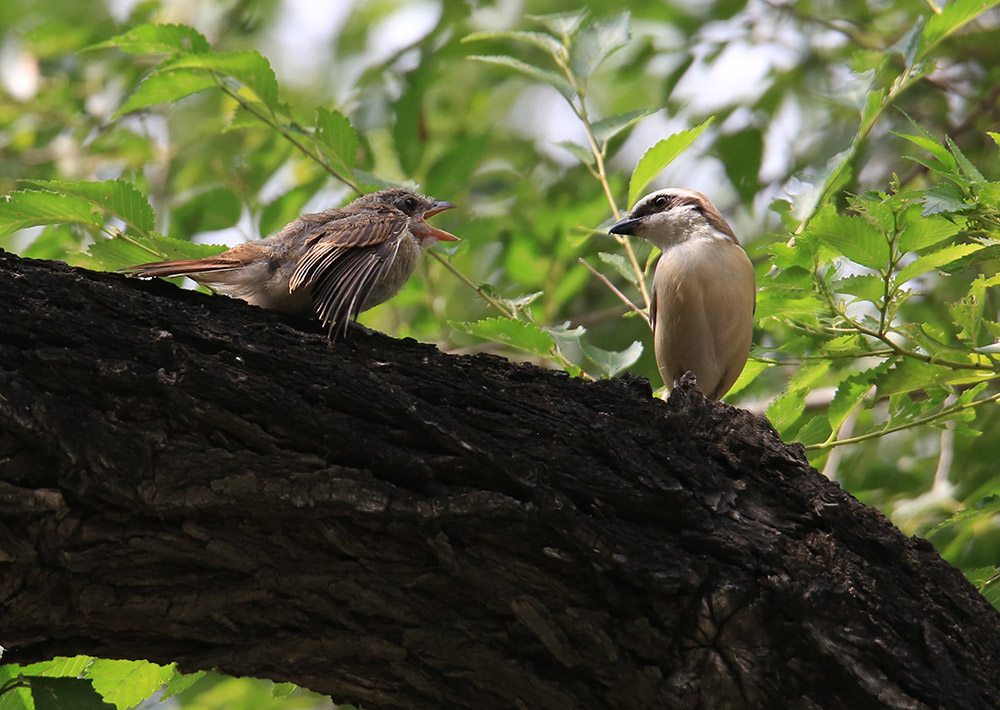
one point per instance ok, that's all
(281, 690)
(120, 253)
(544, 41)
(546, 76)
(855, 238)
(179, 682)
(63, 693)
(945, 160)
(750, 373)
(922, 233)
(579, 152)
(865, 288)
(816, 430)
(206, 211)
(952, 17)
(611, 362)
(121, 198)
(942, 198)
(851, 392)
(515, 333)
(654, 160)
(620, 264)
(607, 128)
(127, 683)
(30, 208)
(785, 410)
(596, 41)
(289, 206)
(337, 135)
(968, 169)
(450, 173)
(936, 259)
(158, 39)
(160, 87)
(250, 68)
(910, 375)
(61, 666)
(742, 153)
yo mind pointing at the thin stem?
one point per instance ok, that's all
(930, 419)
(271, 121)
(625, 299)
(468, 282)
(580, 109)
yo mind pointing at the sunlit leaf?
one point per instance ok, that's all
(866, 288)
(539, 39)
(654, 160)
(922, 233)
(943, 198)
(120, 197)
(127, 683)
(855, 238)
(161, 87)
(936, 259)
(750, 373)
(968, 169)
(337, 135)
(250, 68)
(179, 682)
(952, 17)
(596, 40)
(158, 39)
(584, 155)
(30, 208)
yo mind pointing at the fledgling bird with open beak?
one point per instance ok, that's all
(704, 291)
(335, 264)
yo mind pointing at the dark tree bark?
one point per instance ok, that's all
(185, 477)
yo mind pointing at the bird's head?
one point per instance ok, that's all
(674, 215)
(419, 208)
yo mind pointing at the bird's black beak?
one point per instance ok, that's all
(625, 226)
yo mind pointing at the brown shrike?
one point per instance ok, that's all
(335, 263)
(704, 291)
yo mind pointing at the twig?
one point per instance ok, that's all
(625, 299)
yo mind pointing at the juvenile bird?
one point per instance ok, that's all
(335, 264)
(704, 291)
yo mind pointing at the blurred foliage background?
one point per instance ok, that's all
(850, 144)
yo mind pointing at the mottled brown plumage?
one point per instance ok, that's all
(335, 263)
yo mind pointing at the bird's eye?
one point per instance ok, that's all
(660, 201)
(410, 203)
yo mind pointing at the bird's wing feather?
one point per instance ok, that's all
(341, 278)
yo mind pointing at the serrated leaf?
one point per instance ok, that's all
(942, 198)
(968, 169)
(539, 39)
(785, 410)
(922, 233)
(63, 693)
(607, 128)
(946, 161)
(850, 393)
(654, 160)
(161, 87)
(620, 264)
(517, 334)
(596, 41)
(814, 431)
(61, 666)
(123, 199)
(546, 76)
(179, 682)
(30, 208)
(120, 253)
(936, 259)
(562, 24)
(250, 68)
(127, 683)
(158, 39)
(865, 288)
(910, 375)
(335, 132)
(855, 238)
(579, 152)
(611, 362)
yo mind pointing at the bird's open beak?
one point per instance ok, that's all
(439, 234)
(625, 226)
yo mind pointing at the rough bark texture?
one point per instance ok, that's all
(185, 477)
